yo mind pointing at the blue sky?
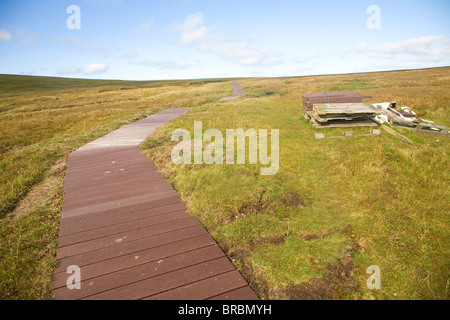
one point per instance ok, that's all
(187, 39)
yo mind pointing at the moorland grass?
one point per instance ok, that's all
(42, 120)
(334, 208)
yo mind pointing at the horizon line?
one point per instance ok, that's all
(224, 78)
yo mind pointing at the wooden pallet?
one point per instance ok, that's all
(342, 115)
(334, 110)
(309, 100)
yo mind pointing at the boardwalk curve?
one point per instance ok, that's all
(237, 91)
(125, 233)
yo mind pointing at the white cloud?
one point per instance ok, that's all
(24, 36)
(94, 68)
(132, 55)
(67, 70)
(90, 69)
(98, 48)
(71, 42)
(194, 32)
(80, 44)
(18, 33)
(163, 64)
(5, 35)
(240, 53)
(361, 47)
(414, 45)
(412, 53)
(144, 27)
(428, 48)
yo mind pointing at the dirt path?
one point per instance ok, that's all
(125, 233)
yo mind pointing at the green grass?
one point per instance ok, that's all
(42, 120)
(334, 208)
(28, 254)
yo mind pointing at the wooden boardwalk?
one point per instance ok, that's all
(128, 232)
(237, 91)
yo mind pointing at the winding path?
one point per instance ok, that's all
(127, 232)
(237, 91)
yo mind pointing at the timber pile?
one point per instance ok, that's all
(309, 100)
(343, 115)
(406, 117)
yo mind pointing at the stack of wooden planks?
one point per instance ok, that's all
(343, 115)
(309, 100)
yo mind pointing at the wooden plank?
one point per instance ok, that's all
(101, 195)
(126, 228)
(123, 207)
(331, 94)
(422, 125)
(114, 204)
(122, 168)
(436, 133)
(123, 262)
(343, 124)
(325, 119)
(345, 109)
(167, 281)
(121, 228)
(204, 289)
(396, 134)
(108, 190)
(244, 293)
(334, 97)
(309, 104)
(105, 197)
(83, 247)
(121, 249)
(115, 178)
(137, 273)
(109, 220)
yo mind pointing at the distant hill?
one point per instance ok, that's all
(11, 85)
